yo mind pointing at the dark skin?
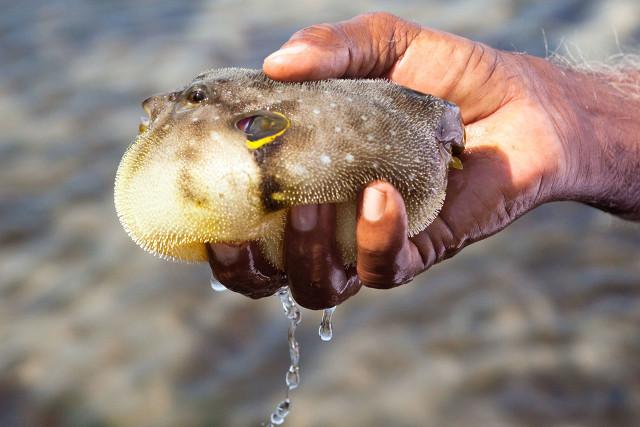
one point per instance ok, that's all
(535, 133)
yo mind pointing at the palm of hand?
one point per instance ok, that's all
(512, 146)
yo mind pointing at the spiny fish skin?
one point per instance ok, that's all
(222, 159)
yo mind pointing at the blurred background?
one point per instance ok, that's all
(539, 325)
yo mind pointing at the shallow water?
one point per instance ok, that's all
(536, 326)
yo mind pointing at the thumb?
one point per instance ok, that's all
(365, 46)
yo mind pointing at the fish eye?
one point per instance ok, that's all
(262, 124)
(196, 95)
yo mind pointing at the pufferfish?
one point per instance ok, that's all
(221, 160)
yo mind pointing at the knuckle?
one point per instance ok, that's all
(249, 283)
(317, 34)
(231, 277)
(380, 243)
(376, 271)
(385, 17)
(386, 270)
(379, 280)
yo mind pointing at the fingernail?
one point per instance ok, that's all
(304, 218)
(283, 54)
(225, 254)
(373, 204)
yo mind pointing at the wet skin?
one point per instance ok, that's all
(535, 133)
(312, 260)
(315, 271)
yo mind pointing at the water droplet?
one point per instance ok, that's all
(283, 408)
(325, 330)
(216, 285)
(293, 377)
(276, 419)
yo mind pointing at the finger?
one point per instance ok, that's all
(365, 46)
(385, 256)
(316, 273)
(243, 269)
(478, 78)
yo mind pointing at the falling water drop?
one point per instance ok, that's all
(216, 285)
(292, 377)
(276, 419)
(325, 330)
(283, 408)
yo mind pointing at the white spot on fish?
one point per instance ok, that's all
(325, 159)
(393, 133)
(316, 111)
(387, 147)
(363, 118)
(297, 169)
(333, 105)
(259, 95)
(349, 157)
(369, 137)
(216, 117)
(215, 135)
(338, 129)
(349, 99)
(279, 90)
(300, 100)
(165, 127)
(375, 165)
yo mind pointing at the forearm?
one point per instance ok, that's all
(613, 115)
(602, 133)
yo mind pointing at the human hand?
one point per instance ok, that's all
(522, 136)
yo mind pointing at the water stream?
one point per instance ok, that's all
(292, 376)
